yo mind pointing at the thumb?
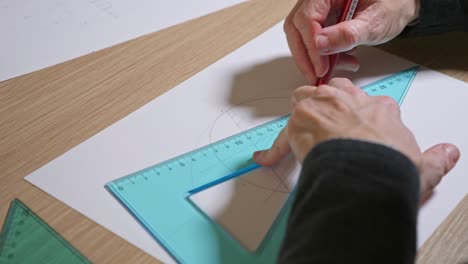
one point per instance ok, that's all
(278, 151)
(436, 163)
(342, 37)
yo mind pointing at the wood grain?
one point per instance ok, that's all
(449, 243)
(45, 113)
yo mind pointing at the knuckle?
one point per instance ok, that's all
(326, 91)
(299, 20)
(341, 106)
(303, 112)
(288, 25)
(301, 109)
(341, 83)
(379, 24)
(297, 95)
(300, 93)
(303, 89)
(388, 101)
(351, 34)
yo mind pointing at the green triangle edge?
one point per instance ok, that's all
(375, 88)
(48, 234)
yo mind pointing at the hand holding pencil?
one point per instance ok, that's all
(313, 35)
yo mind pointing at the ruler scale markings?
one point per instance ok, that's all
(161, 199)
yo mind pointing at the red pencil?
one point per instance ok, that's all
(347, 14)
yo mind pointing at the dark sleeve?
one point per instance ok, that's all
(439, 16)
(355, 202)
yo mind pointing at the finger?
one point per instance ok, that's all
(339, 89)
(308, 20)
(299, 51)
(302, 93)
(347, 63)
(436, 163)
(297, 47)
(278, 151)
(389, 104)
(343, 36)
(324, 91)
(347, 86)
(331, 100)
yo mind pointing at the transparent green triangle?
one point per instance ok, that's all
(395, 86)
(25, 238)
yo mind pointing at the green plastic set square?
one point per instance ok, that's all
(26, 239)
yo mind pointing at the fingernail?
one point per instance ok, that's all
(351, 67)
(322, 43)
(452, 153)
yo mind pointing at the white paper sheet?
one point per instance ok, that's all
(256, 79)
(38, 34)
(247, 206)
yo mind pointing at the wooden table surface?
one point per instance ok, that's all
(45, 113)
